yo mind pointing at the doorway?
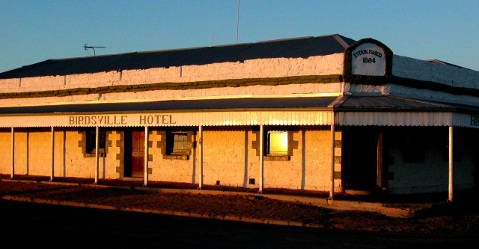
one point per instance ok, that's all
(134, 153)
(362, 158)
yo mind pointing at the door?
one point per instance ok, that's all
(136, 153)
(360, 165)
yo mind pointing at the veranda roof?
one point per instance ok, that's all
(343, 110)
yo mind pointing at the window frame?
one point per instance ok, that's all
(277, 155)
(175, 150)
(170, 150)
(270, 150)
(90, 142)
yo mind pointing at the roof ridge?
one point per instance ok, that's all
(300, 47)
(338, 102)
(340, 40)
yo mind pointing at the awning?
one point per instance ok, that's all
(396, 111)
(348, 111)
(220, 104)
(208, 112)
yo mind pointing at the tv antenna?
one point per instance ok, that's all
(86, 47)
(237, 21)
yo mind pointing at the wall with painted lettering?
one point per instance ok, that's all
(368, 59)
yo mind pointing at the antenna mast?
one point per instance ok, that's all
(237, 22)
(86, 47)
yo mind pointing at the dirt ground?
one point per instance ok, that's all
(455, 219)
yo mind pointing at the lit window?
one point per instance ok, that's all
(277, 143)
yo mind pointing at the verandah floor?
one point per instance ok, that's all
(380, 196)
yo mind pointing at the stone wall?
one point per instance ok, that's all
(230, 156)
(435, 72)
(257, 68)
(432, 173)
(171, 169)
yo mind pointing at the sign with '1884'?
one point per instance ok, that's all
(368, 59)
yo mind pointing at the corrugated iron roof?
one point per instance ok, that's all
(287, 48)
(377, 103)
(176, 105)
(347, 103)
(443, 63)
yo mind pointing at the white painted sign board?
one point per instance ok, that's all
(368, 59)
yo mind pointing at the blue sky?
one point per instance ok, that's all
(34, 31)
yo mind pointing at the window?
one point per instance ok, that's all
(90, 143)
(277, 143)
(178, 145)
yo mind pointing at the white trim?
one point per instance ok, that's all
(465, 120)
(333, 139)
(394, 118)
(13, 151)
(451, 166)
(97, 154)
(248, 118)
(261, 159)
(200, 156)
(53, 153)
(171, 119)
(406, 119)
(145, 160)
